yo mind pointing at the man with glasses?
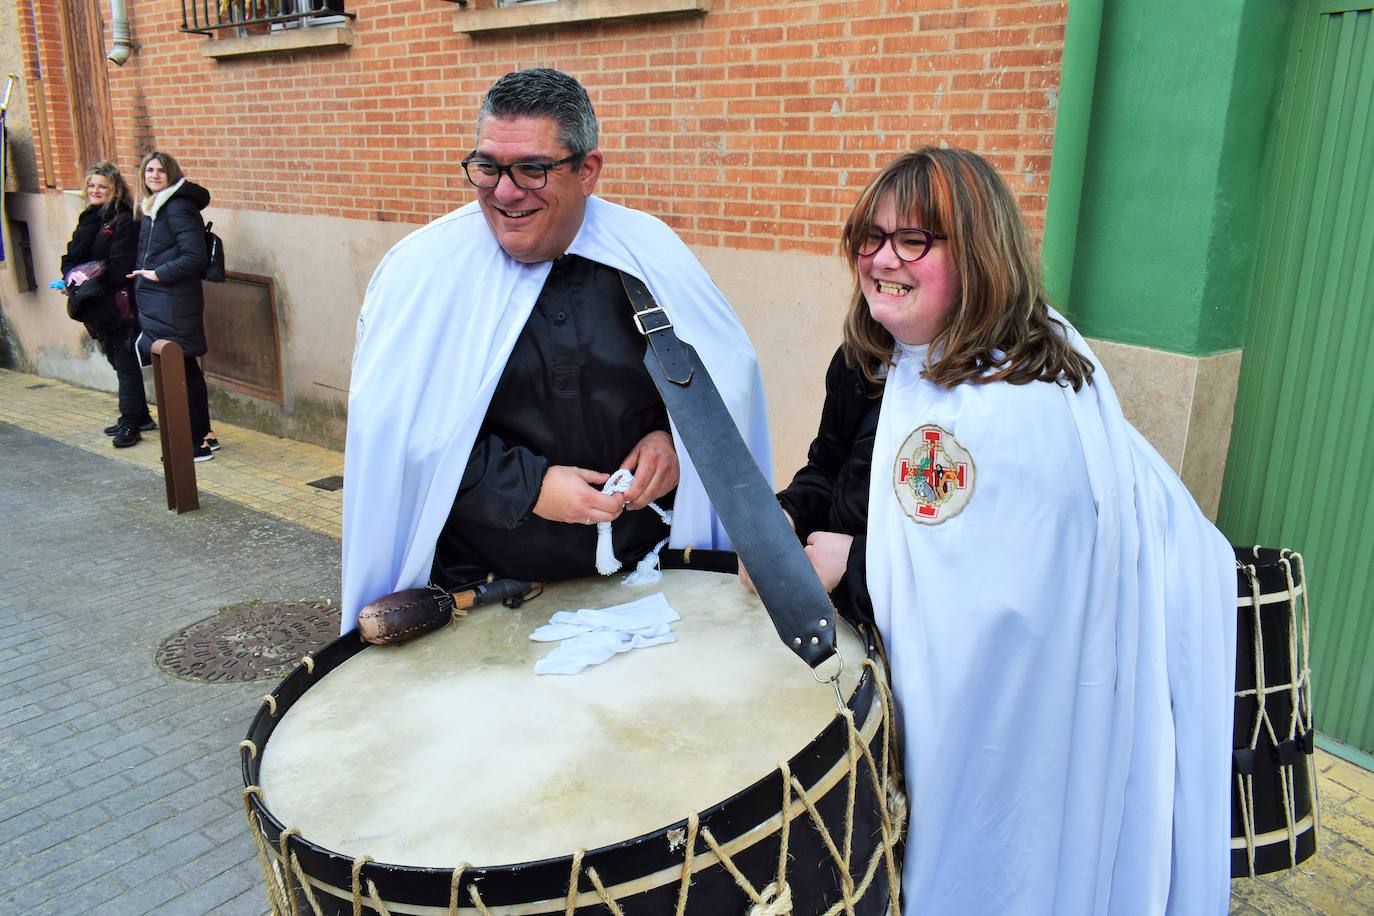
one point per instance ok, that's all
(498, 377)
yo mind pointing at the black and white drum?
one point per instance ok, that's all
(1274, 812)
(711, 775)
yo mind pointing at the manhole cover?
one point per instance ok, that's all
(246, 642)
(327, 483)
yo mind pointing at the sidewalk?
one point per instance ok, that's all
(253, 469)
(119, 783)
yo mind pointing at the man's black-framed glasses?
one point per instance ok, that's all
(909, 244)
(528, 176)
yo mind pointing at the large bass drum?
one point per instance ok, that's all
(1274, 812)
(711, 775)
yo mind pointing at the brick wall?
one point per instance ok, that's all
(41, 27)
(751, 127)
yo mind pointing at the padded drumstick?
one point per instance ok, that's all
(404, 615)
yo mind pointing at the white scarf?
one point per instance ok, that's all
(442, 314)
(152, 204)
(1062, 641)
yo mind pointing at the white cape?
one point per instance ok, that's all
(442, 314)
(1063, 658)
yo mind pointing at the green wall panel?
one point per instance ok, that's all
(1184, 102)
(1301, 468)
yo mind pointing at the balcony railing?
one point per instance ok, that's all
(205, 17)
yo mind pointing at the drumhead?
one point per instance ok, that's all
(451, 749)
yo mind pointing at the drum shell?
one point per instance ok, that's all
(713, 890)
(1276, 638)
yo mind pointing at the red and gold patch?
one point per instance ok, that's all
(933, 475)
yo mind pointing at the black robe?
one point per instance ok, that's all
(574, 392)
(831, 492)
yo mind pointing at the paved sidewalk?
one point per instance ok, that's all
(119, 784)
(263, 472)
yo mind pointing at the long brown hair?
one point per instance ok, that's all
(1001, 329)
(169, 165)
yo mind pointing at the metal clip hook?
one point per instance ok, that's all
(834, 679)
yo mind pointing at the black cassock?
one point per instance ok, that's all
(574, 392)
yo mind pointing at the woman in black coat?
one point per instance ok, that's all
(171, 257)
(107, 233)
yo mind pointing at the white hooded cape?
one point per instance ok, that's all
(442, 314)
(1063, 658)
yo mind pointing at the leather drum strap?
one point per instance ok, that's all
(787, 584)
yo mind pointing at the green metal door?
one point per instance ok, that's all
(1301, 462)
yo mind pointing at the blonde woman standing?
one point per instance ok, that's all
(106, 233)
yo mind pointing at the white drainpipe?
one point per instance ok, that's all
(119, 21)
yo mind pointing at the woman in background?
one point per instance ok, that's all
(106, 233)
(171, 257)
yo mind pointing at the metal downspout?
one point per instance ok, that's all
(119, 26)
(1077, 87)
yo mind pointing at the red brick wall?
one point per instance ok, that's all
(753, 126)
(41, 27)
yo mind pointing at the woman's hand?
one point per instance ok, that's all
(145, 274)
(829, 556)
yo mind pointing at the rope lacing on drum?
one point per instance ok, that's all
(776, 898)
(276, 894)
(601, 891)
(1299, 692)
(688, 854)
(473, 895)
(305, 885)
(356, 881)
(284, 862)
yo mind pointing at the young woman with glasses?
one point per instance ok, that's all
(1058, 614)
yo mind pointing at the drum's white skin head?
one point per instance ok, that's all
(451, 749)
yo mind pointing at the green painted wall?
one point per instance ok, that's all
(1178, 154)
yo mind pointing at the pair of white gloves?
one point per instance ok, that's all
(590, 636)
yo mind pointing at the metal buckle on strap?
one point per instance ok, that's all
(639, 321)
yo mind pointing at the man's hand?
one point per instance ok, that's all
(829, 556)
(145, 274)
(573, 496)
(653, 461)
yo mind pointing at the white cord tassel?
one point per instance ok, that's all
(648, 571)
(606, 563)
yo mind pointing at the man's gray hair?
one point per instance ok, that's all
(544, 93)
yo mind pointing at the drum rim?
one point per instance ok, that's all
(325, 864)
(1271, 567)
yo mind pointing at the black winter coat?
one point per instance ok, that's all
(831, 492)
(172, 242)
(114, 242)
